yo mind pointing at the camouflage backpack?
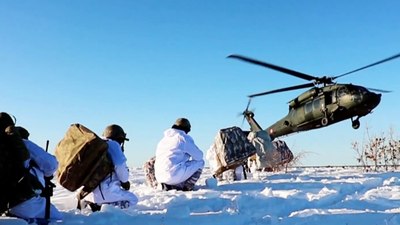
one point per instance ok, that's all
(231, 148)
(18, 184)
(83, 160)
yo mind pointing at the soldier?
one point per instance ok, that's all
(179, 162)
(31, 196)
(114, 189)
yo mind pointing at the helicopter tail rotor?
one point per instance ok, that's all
(247, 112)
(249, 116)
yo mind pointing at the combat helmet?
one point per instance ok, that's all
(5, 121)
(116, 133)
(23, 133)
(182, 124)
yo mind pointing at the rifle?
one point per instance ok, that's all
(48, 189)
(47, 193)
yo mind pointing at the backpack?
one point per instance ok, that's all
(83, 160)
(18, 184)
(231, 149)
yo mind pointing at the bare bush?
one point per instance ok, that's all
(378, 150)
(296, 161)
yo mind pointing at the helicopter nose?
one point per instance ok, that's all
(373, 99)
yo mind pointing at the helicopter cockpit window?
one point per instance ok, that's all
(342, 91)
(353, 90)
(357, 92)
(362, 90)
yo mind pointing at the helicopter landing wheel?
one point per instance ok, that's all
(355, 124)
(324, 121)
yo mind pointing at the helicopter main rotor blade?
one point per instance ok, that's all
(370, 65)
(283, 89)
(379, 90)
(274, 67)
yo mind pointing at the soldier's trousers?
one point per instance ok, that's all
(151, 180)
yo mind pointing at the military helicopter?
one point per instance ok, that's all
(324, 104)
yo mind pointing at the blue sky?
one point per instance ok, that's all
(142, 64)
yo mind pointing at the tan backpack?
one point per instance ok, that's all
(83, 159)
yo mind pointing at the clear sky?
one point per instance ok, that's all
(142, 64)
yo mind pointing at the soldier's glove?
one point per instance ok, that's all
(126, 185)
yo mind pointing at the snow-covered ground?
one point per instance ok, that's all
(301, 196)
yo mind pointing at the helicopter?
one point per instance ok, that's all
(324, 104)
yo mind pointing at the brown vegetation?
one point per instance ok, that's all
(378, 151)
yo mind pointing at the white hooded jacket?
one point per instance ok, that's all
(177, 157)
(109, 190)
(46, 166)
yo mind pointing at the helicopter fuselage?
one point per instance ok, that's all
(321, 106)
(326, 103)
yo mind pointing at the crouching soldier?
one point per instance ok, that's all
(30, 195)
(114, 189)
(178, 163)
